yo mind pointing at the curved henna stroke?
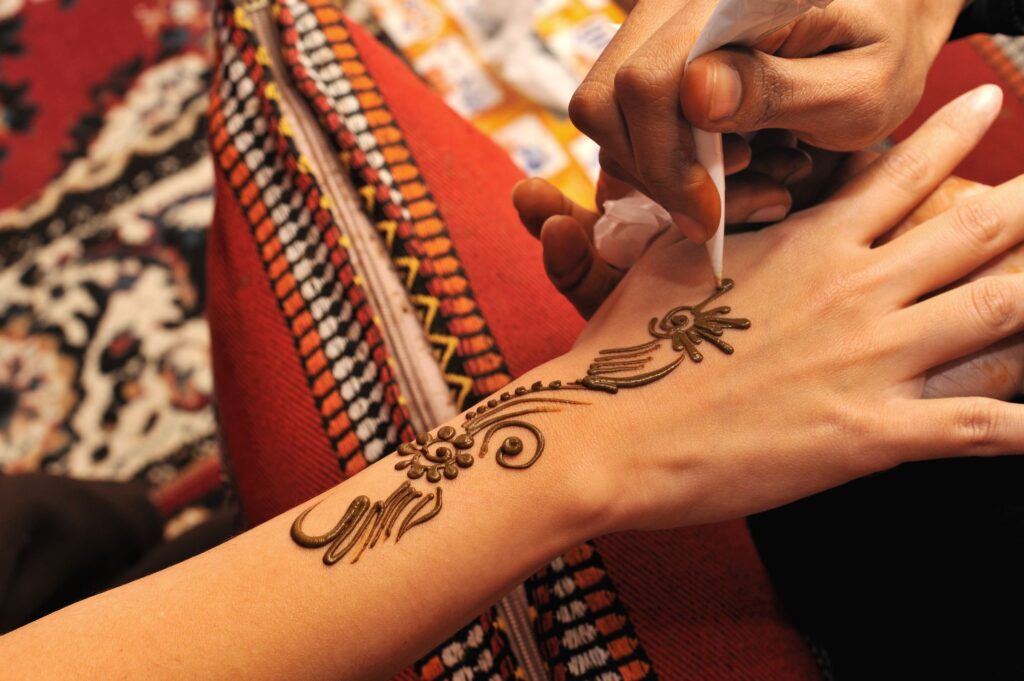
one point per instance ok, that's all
(435, 457)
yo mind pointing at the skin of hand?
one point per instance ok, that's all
(841, 78)
(827, 384)
(578, 271)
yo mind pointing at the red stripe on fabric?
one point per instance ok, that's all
(259, 378)
(703, 607)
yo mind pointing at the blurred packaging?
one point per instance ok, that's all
(510, 67)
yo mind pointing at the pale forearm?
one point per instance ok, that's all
(261, 606)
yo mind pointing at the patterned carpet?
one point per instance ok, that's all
(104, 352)
(105, 196)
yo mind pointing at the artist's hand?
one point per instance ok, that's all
(827, 383)
(566, 229)
(841, 78)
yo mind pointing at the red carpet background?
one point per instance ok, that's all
(105, 196)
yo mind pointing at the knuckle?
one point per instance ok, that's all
(635, 82)
(978, 221)
(993, 303)
(873, 106)
(776, 92)
(671, 184)
(843, 290)
(863, 424)
(906, 167)
(976, 425)
(589, 106)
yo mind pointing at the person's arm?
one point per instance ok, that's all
(677, 406)
(261, 606)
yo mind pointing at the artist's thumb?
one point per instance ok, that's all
(827, 97)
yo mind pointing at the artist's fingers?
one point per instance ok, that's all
(742, 90)
(958, 322)
(608, 189)
(830, 171)
(613, 168)
(574, 266)
(960, 426)
(884, 193)
(957, 242)
(664, 154)
(736, 153)
(594, 107)
(536, 200)
(643, 137)
(783, 164)
(774, 40)
(691, 229)
(755, 198)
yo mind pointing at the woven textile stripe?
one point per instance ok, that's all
(326, 66)
(479, 651)
(465, 350)
(324, 306)
(583, 629)
(1006, 56)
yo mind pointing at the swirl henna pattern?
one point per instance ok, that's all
(438, 457)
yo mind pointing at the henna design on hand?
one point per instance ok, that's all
(435, 457)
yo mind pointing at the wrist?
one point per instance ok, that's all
(574, 476)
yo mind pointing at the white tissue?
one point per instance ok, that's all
(627, 226)
(734, 22)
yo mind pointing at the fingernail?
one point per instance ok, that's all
(724, 89)
(986, 98)
(693, 230)
(769, 213)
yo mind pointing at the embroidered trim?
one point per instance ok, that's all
(329, 72)
(326, 310)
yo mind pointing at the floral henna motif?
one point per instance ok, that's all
(436, 457)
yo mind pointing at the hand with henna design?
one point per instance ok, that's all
(678, 405)
(586, 280)
(832, 364)
(840, 349)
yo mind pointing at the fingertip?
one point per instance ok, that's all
(783, 164)
(737, 153)
(804, 167)
(535, 200)
(566, 251)
(574, 266)
(711, 92)
(693, 90)
(987, 100)
(691, 229)
(525, 190)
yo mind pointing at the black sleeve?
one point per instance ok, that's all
(991, 16)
